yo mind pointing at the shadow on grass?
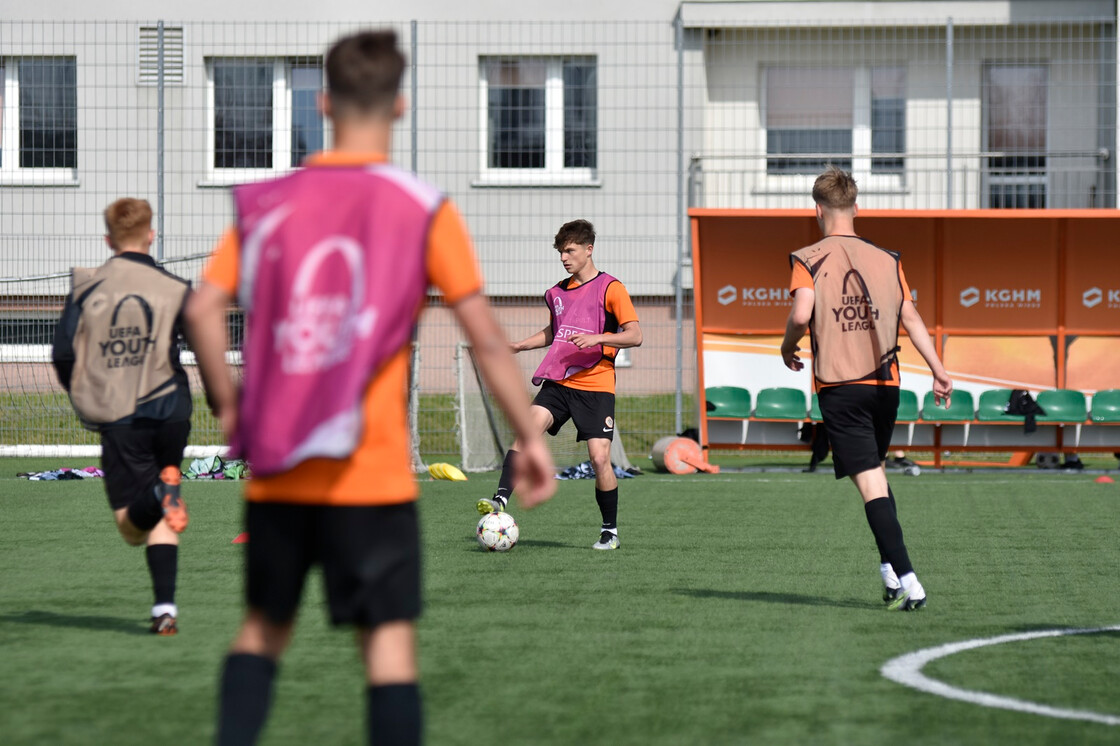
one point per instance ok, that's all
(538, 543)
(775, 598)
(80, 621)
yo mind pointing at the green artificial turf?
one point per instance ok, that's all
(741, 609)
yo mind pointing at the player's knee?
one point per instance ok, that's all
(132, 536)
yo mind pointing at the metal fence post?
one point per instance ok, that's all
(413, 94)
(159, 140)
(679, 283)
(949, 113)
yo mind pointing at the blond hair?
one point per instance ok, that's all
(128, 221)
(835, 189)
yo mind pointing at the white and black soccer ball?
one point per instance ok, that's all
(497, 532)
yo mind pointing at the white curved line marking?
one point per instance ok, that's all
(907, 670)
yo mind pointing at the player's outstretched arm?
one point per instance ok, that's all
(543, 338)
(206, 330)
(919, 336)
(536, 480)
(796, 326)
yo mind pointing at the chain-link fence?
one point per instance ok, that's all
(526, 126)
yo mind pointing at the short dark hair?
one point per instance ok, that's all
(579, 232)
(364, 72)
(835, 188)
(128, 220)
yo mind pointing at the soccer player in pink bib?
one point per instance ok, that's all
(592, 319)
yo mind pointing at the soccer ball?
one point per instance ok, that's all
(497, 532)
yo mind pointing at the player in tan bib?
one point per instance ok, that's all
(853, 296)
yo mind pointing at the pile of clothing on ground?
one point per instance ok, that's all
(587, 471)
(58, 475)
(213, 467)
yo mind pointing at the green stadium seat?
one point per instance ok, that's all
(1062, 405)
(990, 407)
(815, 410)
(729, 401)
(1106, 406)
(960, 409)
(907, 406)
(780, 404)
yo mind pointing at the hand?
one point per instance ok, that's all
(790, 358)
(942, 388)
(228, 419)
(583, 341)
(535, 475)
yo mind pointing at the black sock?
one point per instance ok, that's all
(505, 482)
(608, 506)
(888, 534)
(146, 512)
(393, 712)
(894, 509)
(246, 693)
(163, 565)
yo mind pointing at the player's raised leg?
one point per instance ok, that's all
(606, 492)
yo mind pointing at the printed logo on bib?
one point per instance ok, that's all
(327, 308)
(565, 332)
(558, 305)
(856, 312)
(128, 344)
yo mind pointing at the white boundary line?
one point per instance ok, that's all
(907, 670)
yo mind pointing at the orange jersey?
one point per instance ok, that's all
(802, 279)
(379, 470)
(600, 377)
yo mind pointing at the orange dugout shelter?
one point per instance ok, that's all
(1014, 299)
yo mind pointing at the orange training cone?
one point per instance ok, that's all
(241, 538)
(1104, 479)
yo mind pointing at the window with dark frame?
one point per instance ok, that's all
(47, 94)
(247, 134)
(525, 94)
(1015, 103)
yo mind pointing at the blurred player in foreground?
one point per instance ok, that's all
(116, 351)
(853, 295)
(592, 317)
(332, 265)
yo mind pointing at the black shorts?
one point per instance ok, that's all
(591, 411)
(370, 556)
(859, 419)
(133, 455)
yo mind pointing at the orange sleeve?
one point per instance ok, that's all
(906, 294)
(452, 265)
(800, 278)
(618, 302)
(221, 270)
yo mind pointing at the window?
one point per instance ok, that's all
(38, 120)
(264, 116)
(539, 120)
(853, 118)
(1015, 134)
